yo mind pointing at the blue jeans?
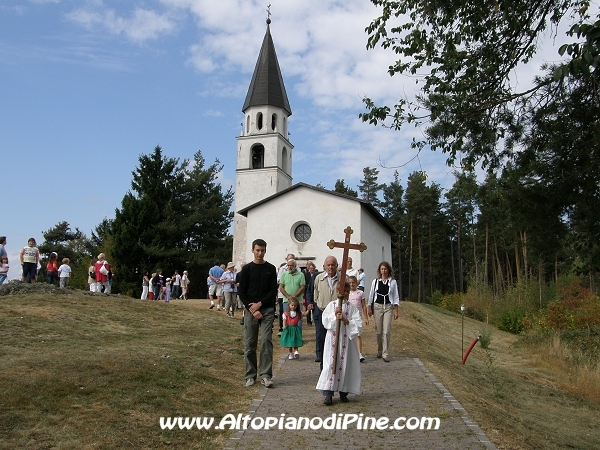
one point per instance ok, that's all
(2, 277)
(52, 278)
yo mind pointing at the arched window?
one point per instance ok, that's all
(284, 160)
(247, 124)
(274, 122)
(259, 121)
(258, 157)
(284, 127)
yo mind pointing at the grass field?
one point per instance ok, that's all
(80, 371)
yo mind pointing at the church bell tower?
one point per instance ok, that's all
(264, 153)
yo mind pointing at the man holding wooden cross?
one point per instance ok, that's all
(340, 365)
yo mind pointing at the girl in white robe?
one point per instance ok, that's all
(347, 378)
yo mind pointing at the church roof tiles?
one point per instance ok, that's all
(266, 87)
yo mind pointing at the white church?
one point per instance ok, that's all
(292, 218)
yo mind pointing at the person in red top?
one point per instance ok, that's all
(102, 268)
(52, 269)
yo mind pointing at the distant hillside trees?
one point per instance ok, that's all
(67, 244)
(176, 217)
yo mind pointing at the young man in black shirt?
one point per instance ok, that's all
(258, 291)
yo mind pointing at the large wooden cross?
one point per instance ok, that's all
(346, 245)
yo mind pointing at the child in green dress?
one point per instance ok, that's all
(291, 336)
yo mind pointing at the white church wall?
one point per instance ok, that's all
(254, 185)
(326, 214)
(239, 240)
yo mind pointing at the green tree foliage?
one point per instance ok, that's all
(424, 229)
(392, 208)
(464, 54)
(176, 217)
(560, 159)
(67, 244)
(460, 210)
(369, 186)
(340, 186)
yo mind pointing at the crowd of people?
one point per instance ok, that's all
(158, 288)
(267, 293)
(29, 257)
(262, 293)
(57, 274)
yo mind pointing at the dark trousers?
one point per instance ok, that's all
(320, 333)
(52, 278)
(280, 303)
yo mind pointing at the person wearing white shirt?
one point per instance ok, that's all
(384, 301)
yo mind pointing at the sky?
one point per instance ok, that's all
(87, 86)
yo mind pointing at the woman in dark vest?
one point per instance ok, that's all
(384, 301)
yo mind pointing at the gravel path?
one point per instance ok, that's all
(402, 388)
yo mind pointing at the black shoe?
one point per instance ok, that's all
(318, 360)
(328, 400)
(242, 321)
(344, 399)
(211, 306)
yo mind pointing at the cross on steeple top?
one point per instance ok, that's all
(268, 14)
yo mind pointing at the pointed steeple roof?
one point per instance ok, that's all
(266, 87)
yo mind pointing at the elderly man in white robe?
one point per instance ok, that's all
(347, 378)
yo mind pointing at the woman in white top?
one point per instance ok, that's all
(185, 283)
(145, 286)
(384, 301)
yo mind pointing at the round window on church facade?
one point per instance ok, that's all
(302, 232)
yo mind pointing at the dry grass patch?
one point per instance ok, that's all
(82, 371)
(518, 402)
(99, 372)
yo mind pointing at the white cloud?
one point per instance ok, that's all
(199, 60)
(213, 113)
(144, 24)
(17, 9)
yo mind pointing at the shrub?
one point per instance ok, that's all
(436, 298)
(557, 315)
(452, 302)
(511, 320)
(486, 338)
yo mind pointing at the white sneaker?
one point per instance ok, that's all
(266, 382)
(218, 308)
(361, 357)
(296, 355)
(249, 382)
(290, 356)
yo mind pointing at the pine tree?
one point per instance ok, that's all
(392, 209)
(369, 186)
(340, 186)
(176, 218)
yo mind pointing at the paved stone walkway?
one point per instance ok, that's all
(402, 388)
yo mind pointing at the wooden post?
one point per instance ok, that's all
(346, 245)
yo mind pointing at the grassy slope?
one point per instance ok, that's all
(99, 372)
(95, 372)
(518, 405)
